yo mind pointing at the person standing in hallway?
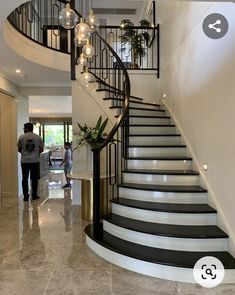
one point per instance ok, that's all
(67, 162)
(30, 145)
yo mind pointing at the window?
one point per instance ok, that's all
(53, 132)
(54, 135)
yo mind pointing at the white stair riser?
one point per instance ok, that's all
(163, 197)
(146, 112)
(143, 106)
(165, 242)
(148, 121)
(156, 164)
(152, 130)
(153, 151)
(151, 269)
(164, 217)
(154, 140)
(160, 179)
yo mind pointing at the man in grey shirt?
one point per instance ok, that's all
(30, 145)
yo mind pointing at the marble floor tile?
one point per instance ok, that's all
(195, 289)
(24, 282)
(80, 282)
(225, 289)
(80, 257)
(125, 282)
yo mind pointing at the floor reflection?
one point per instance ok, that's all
(43, 252)
(67, 212)
(32, 250)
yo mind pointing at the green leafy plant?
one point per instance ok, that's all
(91, 135)
(138, 39)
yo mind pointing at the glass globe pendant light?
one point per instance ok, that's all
(68, 18)
(82, 31)
(88, 50)
(92, 20)
(82, 60)
(86, 77)
(78, 42)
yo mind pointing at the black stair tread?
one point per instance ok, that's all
(135, 108)
(165, 188)
(161, 172)
(168, 230)
(151, 125)
(142, 116)
(157, 146)
(159, 158)
(143, 109)
(131, 101)
(165, 207)
(156, 135)
(115, 107)
(154, 255)
(146, 103)
(116, 91)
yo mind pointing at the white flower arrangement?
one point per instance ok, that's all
(90, 135)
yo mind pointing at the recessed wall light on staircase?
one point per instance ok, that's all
(205, 167)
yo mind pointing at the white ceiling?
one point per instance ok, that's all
(43, 106)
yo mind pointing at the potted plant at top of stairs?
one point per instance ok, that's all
(137, 39)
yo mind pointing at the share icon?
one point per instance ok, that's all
(215, 26)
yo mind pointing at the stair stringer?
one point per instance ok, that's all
(222, 221)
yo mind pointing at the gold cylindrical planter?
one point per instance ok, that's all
(87, 198)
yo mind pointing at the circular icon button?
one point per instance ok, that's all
(208, 272)
(215, 26)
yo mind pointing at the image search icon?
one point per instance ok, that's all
(209, 272)
(215, 26)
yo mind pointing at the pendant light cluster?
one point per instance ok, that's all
(82, 31)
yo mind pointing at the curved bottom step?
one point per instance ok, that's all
(119, 252)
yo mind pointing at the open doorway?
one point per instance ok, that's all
(52, 119)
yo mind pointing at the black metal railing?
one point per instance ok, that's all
(39, 21)
(147, 57)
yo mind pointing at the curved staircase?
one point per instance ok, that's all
(161, 223)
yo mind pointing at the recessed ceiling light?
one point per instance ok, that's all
(18, 71)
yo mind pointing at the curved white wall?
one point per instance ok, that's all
(197, 75)
(35, 52)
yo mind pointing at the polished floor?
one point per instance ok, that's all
(43, 252)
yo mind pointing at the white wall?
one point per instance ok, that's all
(35, 52)
(145, 84)
(86, 109)
(197, 75)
